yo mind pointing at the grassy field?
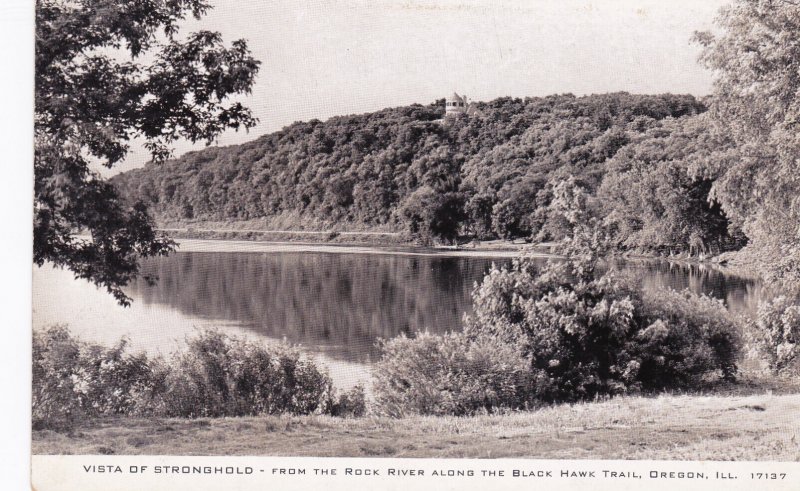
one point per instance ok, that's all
(732, 427)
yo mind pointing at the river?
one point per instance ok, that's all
(336, 306)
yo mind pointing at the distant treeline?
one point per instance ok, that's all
(637, 159)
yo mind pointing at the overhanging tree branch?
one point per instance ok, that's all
(89, 104)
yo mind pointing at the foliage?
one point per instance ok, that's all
(755, 58)
(656, 200)
(775, 335)
(94, 94)
(562, 334)
(589, 334)
(508, 220)
(689, 340)
(430, 214)
(73, 380)
(638, 164)
(352, 403)
(449, 374)
(216, 375)
(492, 175)
(479, 218)
(222, 376)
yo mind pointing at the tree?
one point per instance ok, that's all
(756, 61)
(109, 72)
(653, 199)
(430, 214)
(362, 169)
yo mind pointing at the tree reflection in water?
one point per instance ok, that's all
(340, 304)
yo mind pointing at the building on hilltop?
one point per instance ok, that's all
(456, 106)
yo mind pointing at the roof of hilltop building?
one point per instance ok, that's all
(457, 105)
(456, 97)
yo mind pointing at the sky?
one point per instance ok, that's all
(322, 58)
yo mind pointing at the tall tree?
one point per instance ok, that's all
(653, 198)
(756, 102)
(109, 72)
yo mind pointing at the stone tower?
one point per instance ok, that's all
(455, 106)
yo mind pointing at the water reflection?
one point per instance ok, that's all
(740, 294)
(340, 304)
(337, 303)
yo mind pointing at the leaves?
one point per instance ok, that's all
(93, 96)
(756, 62)
(491, 175)
(600, 335)
(775, 335)
(657, 195)
(216, 375)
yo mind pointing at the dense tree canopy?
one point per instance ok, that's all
(657, 199)
(109, 72)
(492, 175)
(756, 103)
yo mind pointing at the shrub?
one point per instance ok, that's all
(689, 340)
(572, 329)
(774, 335)
(449, 374)
(216, 375)
(559, 335)
(74, 379)
(589, 335)
(352, 403)
(222, 376)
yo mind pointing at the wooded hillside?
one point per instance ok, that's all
(486, 176)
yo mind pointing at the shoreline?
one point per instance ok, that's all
(489, 249)
(229, 245)
(249, 236)
(726, 268)
(349, 243)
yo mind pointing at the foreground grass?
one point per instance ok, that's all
(734, 427)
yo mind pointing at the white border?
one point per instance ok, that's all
(16, 203)
(16, 122)
(100, 473)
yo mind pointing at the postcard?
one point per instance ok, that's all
(444, 244)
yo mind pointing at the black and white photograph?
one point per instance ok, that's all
(417, 229)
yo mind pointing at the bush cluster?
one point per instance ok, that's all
(562, 334)
(216, 375)
(774, 335)
(448, 374)
(72, 379)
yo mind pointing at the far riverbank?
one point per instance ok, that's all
(251, 236)
(218, 245)
(488, 249)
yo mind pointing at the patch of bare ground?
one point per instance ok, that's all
(680, 427)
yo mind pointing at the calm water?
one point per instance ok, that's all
(336, 305)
